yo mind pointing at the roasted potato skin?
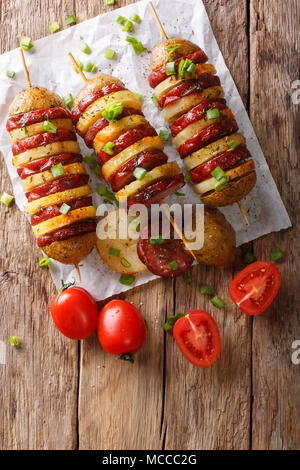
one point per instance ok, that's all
(235, 191)
(219, 240)
(159, 56)
(34, 98)
(94, 84)
(72, 250)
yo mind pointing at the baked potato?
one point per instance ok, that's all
(160, 53)
(72, 250)
(236, 190)
(33, 98)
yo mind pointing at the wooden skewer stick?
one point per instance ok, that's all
(158, 21)
(243, 212)
(25, 69)
(77, 67)
(78, 272)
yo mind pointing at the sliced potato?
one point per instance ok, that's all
(128, 261)
(185, 103)
(209, 184)
(72, 250)
(94, 84)
(63, 196)
(36, 97)
(118, 160)
(67, 146)
(162, 171)
(37, 128)
(50, 225)
(171, 82)
(94, 111)
(46, 176)
(197, 126)
(212, 150)
(236, 190)
(160, 54)
(115, 129)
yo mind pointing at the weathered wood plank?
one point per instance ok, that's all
(210, 408)
(274, 66)
(38, 403)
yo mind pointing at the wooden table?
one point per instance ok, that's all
(59, 394)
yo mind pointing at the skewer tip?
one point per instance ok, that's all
(244, 213)
(157, 21)
(25, 69)
(77, 67)
(78, 273)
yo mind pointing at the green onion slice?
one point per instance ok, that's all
(218, 173)
(187, 177)
(84, 47)
(44, 262)
(70, 20)
(139, 96)
(89, 67)
(57, 170)
(113, 111)
(170, 68)
(121, 20)
(108, 148)
(89, 160)
(49, 127)
(171, 321)
(126, 280)
(80, 65)
(172, 48)
(10, 74)
(110, 54)
(103, 191)
(249, 258)
(231, 144)
(179, 193)
(174, 265)
(217, 302)
(276, 255)
(68, 100)
(114, 252)
(139, 173)
(137, 45)
(156, 240)
(13, 341)
(191, 69)
(213, 113)
(221, 184)
(136, 18)
(128, 26)
(54, 27)
(206, 290)
(165, 134)
(6, 199)
(155, 101)
(110, 2)
(26, 43)
(125, 262)
(64, 208)
(97, 170)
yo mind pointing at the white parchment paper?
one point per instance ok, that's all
(49, 66)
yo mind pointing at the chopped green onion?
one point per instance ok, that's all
(221, 184)
(6, 199)
(191, 69)
(125, 262)
(44, 262)
(114, 252)
(10, 74)
(84, 47)
(57, 170)
(128, 26)
(110, 54)
(188, 280)
(97, 171)
(54, 27)
(276, 255)
(139, 173)
(139, 97)
(70, 20)
(68, 100)
(170, 68)
(113, 111)
(172, 48)
(110, 2)
(156, 240)
(213, 113)
(121, 20)
(249, 258)
(108, 148)
(218, 173)
(187, 177)
(136, 18)
(80, 65)
(183, 66)
(26, 43)
(89, 67)
(64, 208)
(137, 45)
(206, 290)
(13, 341)
(178, 193)
(217, 302)
(126, 280)
(164, 134)
(171, 321)
(155, 101)
(103, 191)
(231, 144)
(89, 160)
(174, 265)
(49, 127)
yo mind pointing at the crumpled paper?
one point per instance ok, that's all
(49, 66)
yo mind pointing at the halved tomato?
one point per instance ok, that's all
(254, 288)
(198, 338)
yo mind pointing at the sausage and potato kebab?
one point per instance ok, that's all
(204, 129)
(48, 161)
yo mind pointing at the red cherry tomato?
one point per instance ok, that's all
(198, 338)
(254, 288)
(75, 313)
(121, 328)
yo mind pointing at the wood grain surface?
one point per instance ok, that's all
(59, 394)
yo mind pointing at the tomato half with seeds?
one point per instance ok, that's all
(255, 288)
(198, 338)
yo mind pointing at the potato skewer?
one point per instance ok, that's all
(188, 108)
